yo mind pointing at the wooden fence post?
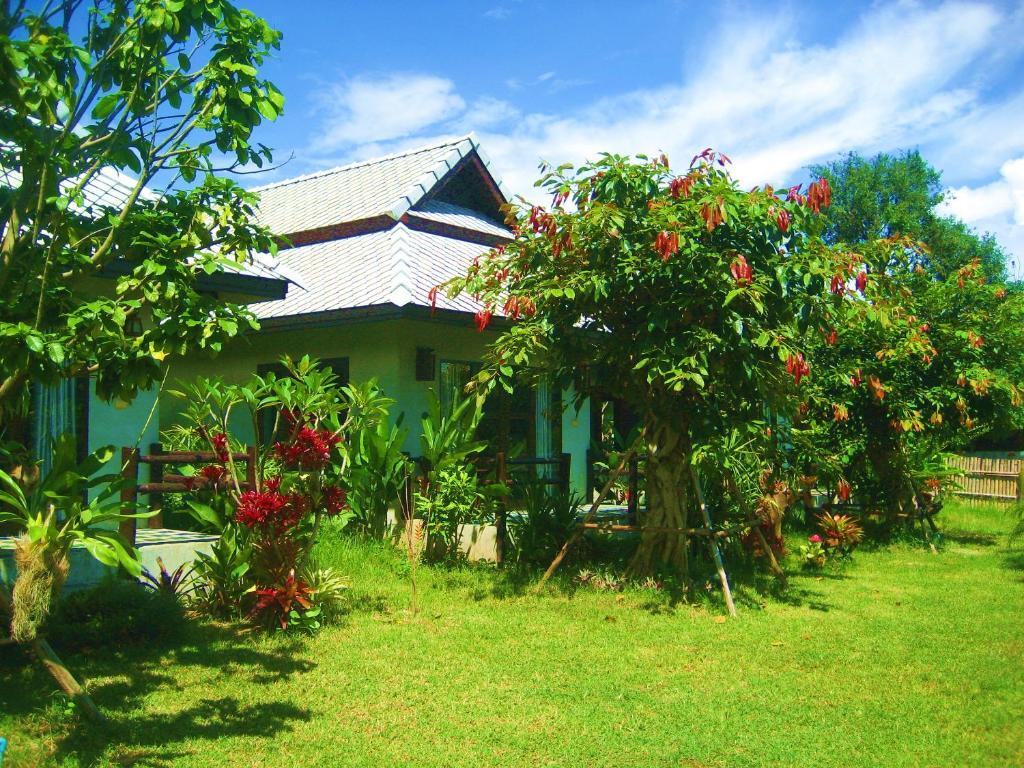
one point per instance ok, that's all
(501, 516)
(250, 467)
(633, 502)
(564, 467)
(156, 498)
(130, 490)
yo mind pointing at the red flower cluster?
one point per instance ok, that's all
(432, 295)
(797, 367)
(335, 499)
(843, 490)
(855, 379)
(862, 281)
(270, 509)
(877, 389)
(542, 221)
(483, 319)
(713, 215)
(783, 219)
(666, 244)
(838, 286)
(681, 185)
(220, 447)
(517, 306)
(819, 195)
(216, 475)
(832, 337)
(311, 448)
(975, 340)
(742, 272)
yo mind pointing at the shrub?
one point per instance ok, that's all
(543, 526)
(113, 613)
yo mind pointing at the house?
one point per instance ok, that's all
(365, 244)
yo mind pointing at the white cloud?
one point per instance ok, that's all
(906, 74)
(373, 109)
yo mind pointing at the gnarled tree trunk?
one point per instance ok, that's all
(669, 498)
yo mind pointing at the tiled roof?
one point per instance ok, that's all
(397, 266)
(387, 186)
(110, 188)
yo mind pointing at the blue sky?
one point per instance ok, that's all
(777, 86)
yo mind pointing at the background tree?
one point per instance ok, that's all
(153, 94)
(683, 295)
(914, 367)
(899, 194)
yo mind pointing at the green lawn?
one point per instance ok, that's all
(902, 658)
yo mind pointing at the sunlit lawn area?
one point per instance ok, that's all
(902, 658)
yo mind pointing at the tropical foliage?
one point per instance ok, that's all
(151, 98)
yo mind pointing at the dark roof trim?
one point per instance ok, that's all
(336, 231)
(266, 288)
(432, 227)
(373, 313)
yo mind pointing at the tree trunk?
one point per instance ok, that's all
(668, 502)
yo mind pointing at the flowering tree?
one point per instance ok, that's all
(914, 366)
(682, 294)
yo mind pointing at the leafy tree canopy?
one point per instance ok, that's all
(683, 295)
(898, 194)
(154, 94)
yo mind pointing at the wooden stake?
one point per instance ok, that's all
(713, 544)
(67, 682)
(578, 533)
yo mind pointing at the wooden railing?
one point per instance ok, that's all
(991, 479)
(161, 482)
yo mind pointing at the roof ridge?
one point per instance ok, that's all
(450, 141)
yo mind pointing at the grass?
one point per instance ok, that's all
(900, 658)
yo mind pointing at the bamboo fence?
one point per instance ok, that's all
(989, 479)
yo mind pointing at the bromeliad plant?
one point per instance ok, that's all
(679, 293)
(268, 531)
(72, 503)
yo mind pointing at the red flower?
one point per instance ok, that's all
(793, 195)
(311, 448)
(877, 389)
(843, 490)
(216, 475)
(975, 340)
(783, 220)
(270, 510)
(797, 367)
(432, 295)
(666, 244)
(335, 499)
(742, 272)
(855, 379)
(838, 286)
(483, 319)
(220, 447)
(814, 538)
(681, 186)
(832, 337)
(713, 215)
(862, 281)
(819, 195)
